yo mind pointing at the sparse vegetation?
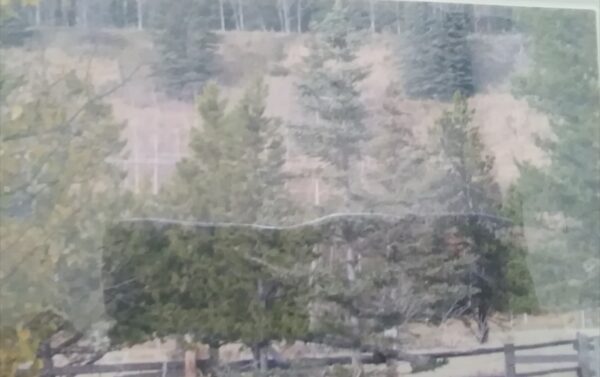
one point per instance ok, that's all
(218, 212)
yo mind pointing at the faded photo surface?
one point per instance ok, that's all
(343, 188)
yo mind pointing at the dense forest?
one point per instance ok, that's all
(223, 253)
(245, 15)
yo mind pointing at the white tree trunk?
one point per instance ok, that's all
(241, 13)
(155, 183)
(222, 14)
(398, 28)
(372, 15)
(317, 192)
(299, 15)
(286, 15)
(280, 15)
(38, 14)
(140, 14)
(350, 270)
(136, 158)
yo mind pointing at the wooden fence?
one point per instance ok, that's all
(585, 360)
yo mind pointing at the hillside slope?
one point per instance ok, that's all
(157, 126)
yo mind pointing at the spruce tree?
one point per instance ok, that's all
(404, 273)
(60, 191)
(330, 93)
(403, 171)
(221, 283)
(469, 189)
(186, 47)
(436, 52)
(563, 197)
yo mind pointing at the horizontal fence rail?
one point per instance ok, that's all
(585, 364)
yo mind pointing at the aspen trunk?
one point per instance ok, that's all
(299, 15)
(140, 14)
(222, 14)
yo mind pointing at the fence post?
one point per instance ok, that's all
(583, 346)
(45, 353)
(595, 356)
(509, 360)
(189, 362)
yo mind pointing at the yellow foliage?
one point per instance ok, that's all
(6, 3)
(17, 347)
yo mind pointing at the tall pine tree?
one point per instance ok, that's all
(469, 189)
(186, 47)
(436, 52)
(221, 283)
(564, 196)
(330, 93)
(60, 192)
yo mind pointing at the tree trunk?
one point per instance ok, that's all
(286, 15)
(372, 15)
(140, 14)
(483, 329)
(280, 15)
(357, 366)
(241, 13)
(213, 359)
(398, 29)
(264, 360)
(299, 15)
(260, 356)
(350, 271)
(38, 14)
(222, 14)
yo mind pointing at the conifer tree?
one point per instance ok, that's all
(60, 191)
(222, 284)
(330, 93)
(564, 196)
(403, 171)
(186, 47)
(437, 59)
(469, 189)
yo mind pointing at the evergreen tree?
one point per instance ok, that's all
(403, 273)
(186, 47)
(564, 196)
(216, 153)
(520, 295)
(437, 57)
(469, 189)
(220, 284)
(403, 171)
(59, 193)
(243, 154)
(330, 93)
